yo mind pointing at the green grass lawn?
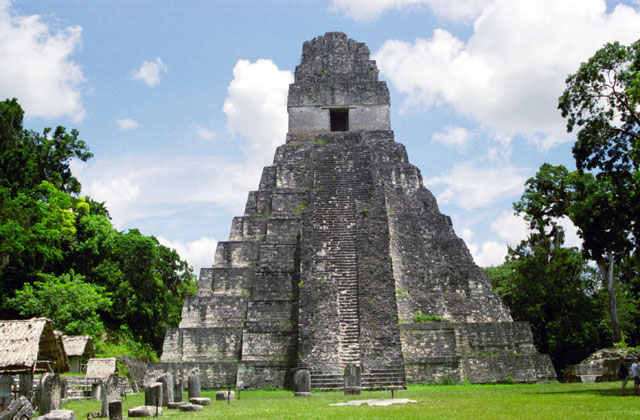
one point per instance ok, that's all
(541, 401)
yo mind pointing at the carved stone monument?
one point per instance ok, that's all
(302, 383)
(352, 380)
(49, 393)
(110, 392)
(153, 394)
(194, 387)
(338, 252)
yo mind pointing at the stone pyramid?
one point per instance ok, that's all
(338, 253)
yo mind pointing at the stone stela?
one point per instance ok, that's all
(337, 250)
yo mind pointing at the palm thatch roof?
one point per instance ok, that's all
(101, 368)
(78, 345)
(30, 345)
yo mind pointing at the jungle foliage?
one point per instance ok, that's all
(61, 257)
(571, 308)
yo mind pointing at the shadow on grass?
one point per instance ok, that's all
(601, 392)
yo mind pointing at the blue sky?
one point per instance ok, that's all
(183, 103)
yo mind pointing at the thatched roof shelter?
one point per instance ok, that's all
(78, 345)
(101, 368)
(30, 345)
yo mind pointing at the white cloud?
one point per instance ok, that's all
(138, 187)
(491, 253)
(365, 10)
(458, 137)
(118, 193)
(510, 227)
(198, 253)
(509, 74)
(149, 72)
(37, 68)
(204, 133)
(469, 186)
(571, 237)
(127, 124)
(256, 105)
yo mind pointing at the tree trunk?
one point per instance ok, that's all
(606, 269)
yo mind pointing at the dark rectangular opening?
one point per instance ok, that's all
(339, 119)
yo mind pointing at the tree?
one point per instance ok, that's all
(602, 197)
(28, 158)
(57, 250)
(594, 205)
(69, 301)
(551, 287)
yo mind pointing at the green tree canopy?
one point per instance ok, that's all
(602, 197)
(61, 257)
(70, 302)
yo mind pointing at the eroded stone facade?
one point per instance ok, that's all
(337, 250)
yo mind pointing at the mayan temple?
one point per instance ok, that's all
(337, 251)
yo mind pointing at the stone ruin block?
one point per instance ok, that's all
(115, 410)
(283, 230)
(205, 282)
(268, 178)
(49, 393)
(236, 254)
(288, 203)
(110, 392)
(153, 395)
(18, 409)
(352, 379)
(57, 415)
(277, 257)
(225, 396)
(232, 281)
(194, 385)
(302, 383)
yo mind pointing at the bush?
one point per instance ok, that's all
(420, 318)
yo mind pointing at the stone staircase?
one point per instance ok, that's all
(337, 209)
(386, 378)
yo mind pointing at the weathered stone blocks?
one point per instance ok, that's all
(49, 393)
(225, 396)
(336, 252)
(302, 383)
(194, 385)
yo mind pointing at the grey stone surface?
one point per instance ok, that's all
(57, 415)
(110, 392)
(352, 380)
(225, 396)
(49, 393)
(194, 385)
(115, 410)
(337, 250)
(375, 403)
(96, 391)
(302, 383)
(144, 411)
(153, 394)
(190, 407)
(178, 389)
(176, 405)
(166, 380)
(18, 409)
(64, 385)
(200, 401)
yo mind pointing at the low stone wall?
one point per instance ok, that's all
(476, 352)
(603, 370)
(213, 375)
(265, 375)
